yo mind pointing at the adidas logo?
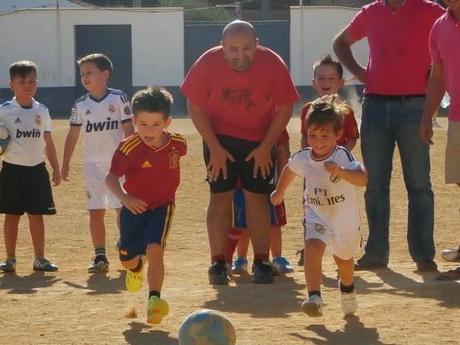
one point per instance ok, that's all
(146, 164)
(18, 120)
(88, 112)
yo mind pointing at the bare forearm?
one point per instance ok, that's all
(69, 146)
(435, 92)
(128, 128)
(342, 48)
(203, 125)
(278, 125)
(286, 178)
(113, 183)
(350, 144)
(51, 154)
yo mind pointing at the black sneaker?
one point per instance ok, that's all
(218, 274)
(262, 272)
(99, 264)
(426, 266)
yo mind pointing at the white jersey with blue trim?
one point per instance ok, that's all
(101, 121)
(328, 197)
(26, 127)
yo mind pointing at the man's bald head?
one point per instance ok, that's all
(238, 27)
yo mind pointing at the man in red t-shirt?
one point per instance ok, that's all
(240, 97)
(396, 80)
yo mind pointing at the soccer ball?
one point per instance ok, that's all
(208, 327)
(4, 138)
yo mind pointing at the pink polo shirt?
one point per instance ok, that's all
(399, 58)
(445, 49)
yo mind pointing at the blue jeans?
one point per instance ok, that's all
(384, 124)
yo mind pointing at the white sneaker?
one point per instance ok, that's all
(313, 306)
(348, 302)
(452, 254)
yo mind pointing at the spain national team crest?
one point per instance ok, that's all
(174, 160)
(112, 108)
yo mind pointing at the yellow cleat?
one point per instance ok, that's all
(157, 309)
(135, 280)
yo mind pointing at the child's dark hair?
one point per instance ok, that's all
(152, 99)
(327, 110)
(101, 61)
(328, 60)
(22, 69)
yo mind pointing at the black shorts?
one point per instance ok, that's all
(240, 169)
(25, 189)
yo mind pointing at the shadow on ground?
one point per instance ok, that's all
(27, 284)
(142, 334)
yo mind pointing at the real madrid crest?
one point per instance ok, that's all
(112, 108)
(334, 178)
(38, 120)
(319, 228)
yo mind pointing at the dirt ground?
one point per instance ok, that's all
(396, 305)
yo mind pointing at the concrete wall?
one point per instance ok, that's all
(312, 31)
(47, 38)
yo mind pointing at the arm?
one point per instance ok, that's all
(303, 141)
(219, 156)
(350, 144)
(286, 178)
(357, 177)
(342, 48)
(128, 128)
(282, 157)
(69, 147)
(135, 205)
(50, 151)
(261, 154)
(434, 94)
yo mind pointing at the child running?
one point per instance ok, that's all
(149, 160)
(332, 218)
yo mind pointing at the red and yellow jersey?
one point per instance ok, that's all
(152, 175)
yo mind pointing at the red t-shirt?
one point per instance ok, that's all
(152, 175)
(350, 127)
(445, 49)
(240, 104)
(399, 58)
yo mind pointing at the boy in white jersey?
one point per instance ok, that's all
(24, 180)
(105, 116)
(331, 209)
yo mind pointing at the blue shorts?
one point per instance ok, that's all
(277, 213)
(139, 230)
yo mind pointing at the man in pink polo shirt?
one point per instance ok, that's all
(240, 98)
(445, 75)
(395, 82)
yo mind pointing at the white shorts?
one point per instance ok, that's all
(345, 244)
(98, 195)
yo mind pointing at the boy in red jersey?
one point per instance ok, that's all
(328, 80)
(151, 154)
